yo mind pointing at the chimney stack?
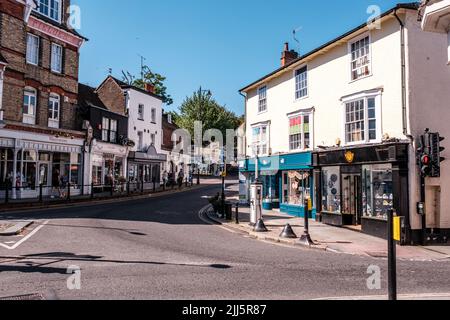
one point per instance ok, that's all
(288, 55)
(150, 88)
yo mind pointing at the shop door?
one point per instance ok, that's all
(351, 192)
(44, 178)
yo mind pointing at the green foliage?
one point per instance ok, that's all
(152, 78)
(201, 106)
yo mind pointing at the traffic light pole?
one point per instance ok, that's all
(424, 216)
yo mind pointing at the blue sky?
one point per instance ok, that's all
(219, 45)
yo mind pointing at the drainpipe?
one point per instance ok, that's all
(403, 63)
(404, 98)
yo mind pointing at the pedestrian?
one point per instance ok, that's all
(56, 184)
(180, 178)
(62, 186)
(165, 177)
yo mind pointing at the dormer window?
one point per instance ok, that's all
(50, 9)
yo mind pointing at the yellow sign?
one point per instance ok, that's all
(310, 205)
(349, 156)
(397, 229)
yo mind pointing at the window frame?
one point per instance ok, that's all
(260, 111)
(54, 122)
(37, 49)
(141, 112)
(140, 144)
(153, 115)
(29, 118)
(377, 96)
(108, 131)
(296, 98)
(52, 62)
(49, 9)
(349, 44)
(260, 143)
(303, 114)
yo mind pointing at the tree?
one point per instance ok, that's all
(201, 106)
(152, 78)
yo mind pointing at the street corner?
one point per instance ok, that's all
(14, 233)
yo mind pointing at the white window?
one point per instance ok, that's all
(360, 58)
(105, 129)
(50, 8)
(362, 122)
(261, 140)
(141, 112)
(152, 139)
(32, 49)
(153, 115)
(53, 111)
(57, 56)
(140, 140)
(300, 132)
(301, 83)
(29, 106)
(262, 99)
(113, 131)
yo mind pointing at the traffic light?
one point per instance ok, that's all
(425, 164)
(436, 154)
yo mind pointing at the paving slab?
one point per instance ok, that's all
(14, 227)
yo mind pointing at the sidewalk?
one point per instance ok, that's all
(28, 204)
(329, 238)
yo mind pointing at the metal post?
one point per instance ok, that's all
(306, 237)
(7, 192)
(128, 188)
(40, 193)
(186, 183)
(142, 186)
(237, 213)
(424, 216)
(112, 188)
(392, 258)
(164, 185)
(68, 191)
(154, 186)
(92, 190)
(198, 175)
(223, 194)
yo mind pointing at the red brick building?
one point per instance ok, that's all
(40, 134)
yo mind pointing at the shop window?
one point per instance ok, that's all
(6, 167)
(378, 197)
(296, 187)
(28, 175)
(97, 175)
(331, 190)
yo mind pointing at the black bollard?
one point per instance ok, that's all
(40, 193)
(260, 226)
(288, 233)
(392, 258)
(305, 239)
(237, 213)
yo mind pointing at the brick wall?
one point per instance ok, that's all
(112, 96)
(19, 74)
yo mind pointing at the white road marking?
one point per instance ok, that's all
(26, 238)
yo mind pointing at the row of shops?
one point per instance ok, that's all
(41, 163)
(344, 186)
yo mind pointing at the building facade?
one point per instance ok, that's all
(352, 111)
(107, 142)
(144, 111)
(40, 139)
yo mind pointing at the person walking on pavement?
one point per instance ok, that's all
(180, 178)
(165, 177)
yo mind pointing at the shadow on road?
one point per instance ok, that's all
(40, 263)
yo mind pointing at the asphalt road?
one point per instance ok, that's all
(160, 249)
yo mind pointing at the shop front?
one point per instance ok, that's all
(108, 166)
(30, 168)
(358, 186)
(287, 182)
(144, 169)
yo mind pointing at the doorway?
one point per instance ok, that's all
(351, 192)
